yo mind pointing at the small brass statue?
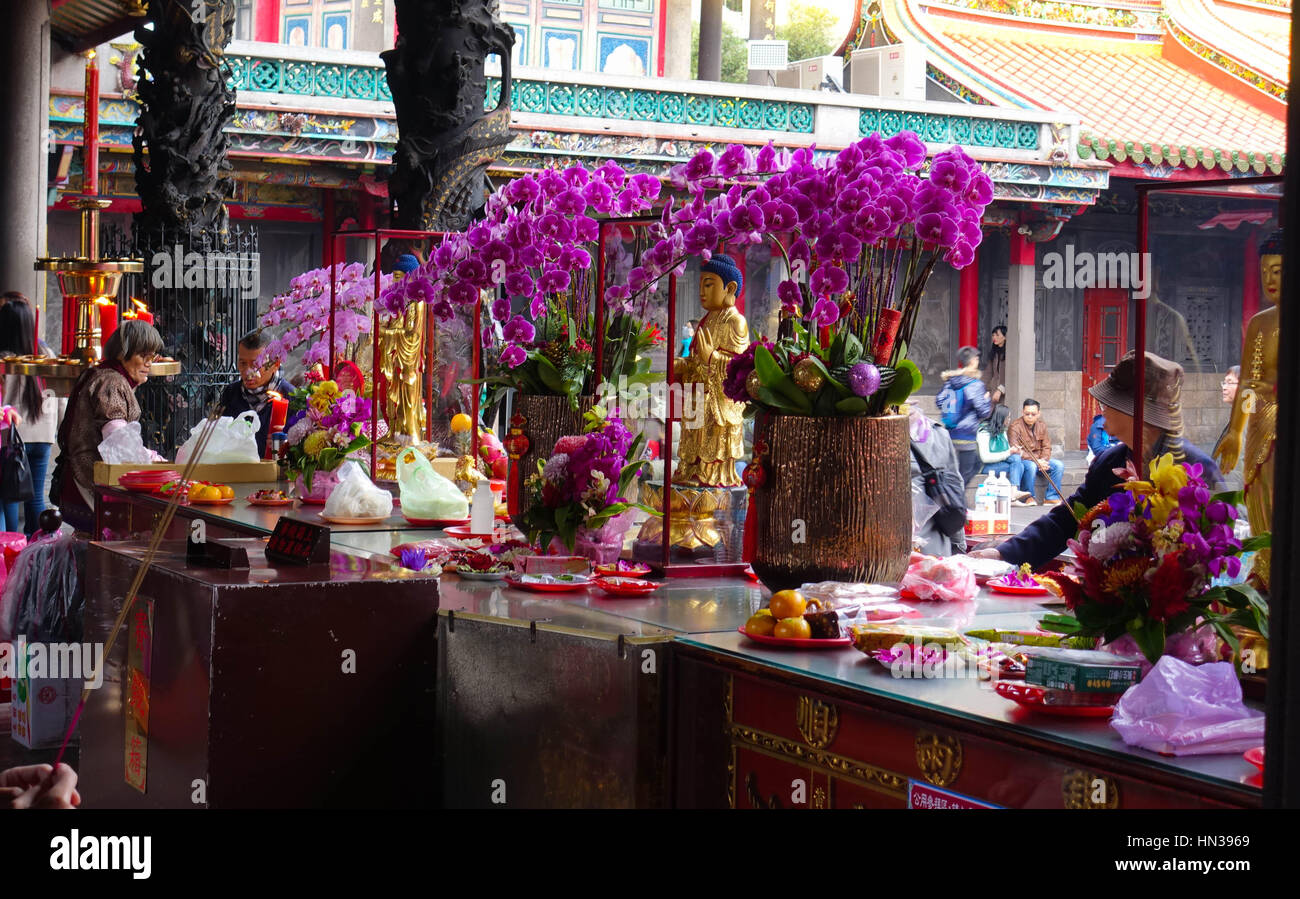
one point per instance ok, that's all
(712, 426)
(1254, 410)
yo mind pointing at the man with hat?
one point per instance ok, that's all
(1162, 432)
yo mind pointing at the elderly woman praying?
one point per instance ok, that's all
(102, 401)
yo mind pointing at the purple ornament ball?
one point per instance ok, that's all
(864, 379)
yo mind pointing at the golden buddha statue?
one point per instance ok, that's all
(1254, 410)
(401, 362)
(712, 425)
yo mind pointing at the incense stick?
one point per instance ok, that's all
(145, 562)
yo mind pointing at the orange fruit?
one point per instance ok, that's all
(787, 604)
(461, 422)
(792, 627)
(209, 493)
(761, 623)
(227, 492)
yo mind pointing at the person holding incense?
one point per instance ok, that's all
(102, 401)
(32, 786)
(1162, 432)
(251, 392)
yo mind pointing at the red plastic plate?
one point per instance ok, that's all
(799, 642)
(436, 522)
(1000, 586)
(270, 502)
(625, 586)
(211, 502)
(540, 587)
(1032, 698)
(1255, 757)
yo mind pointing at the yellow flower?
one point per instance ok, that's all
(315, 442)
(1161, 507)
(1168, 476)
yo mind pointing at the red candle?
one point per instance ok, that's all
(886, 332)
(90, 138)
(107, 310)
(279, 415)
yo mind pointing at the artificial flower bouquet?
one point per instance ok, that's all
(1144, 559)
(305, 310)
(325, 424)
(583, 485)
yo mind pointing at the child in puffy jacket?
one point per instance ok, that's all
(1098, 439)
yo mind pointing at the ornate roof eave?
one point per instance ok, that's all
(1242, 162)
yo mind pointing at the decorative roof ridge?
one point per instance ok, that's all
(1092, 146)
(1032, 34)
(1069, 16)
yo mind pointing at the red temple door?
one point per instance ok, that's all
(1105, 340)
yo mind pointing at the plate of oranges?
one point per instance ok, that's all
(204, 494)
(796, 622)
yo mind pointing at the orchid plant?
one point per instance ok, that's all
(860, 233)
(306, 311)
(537, 241)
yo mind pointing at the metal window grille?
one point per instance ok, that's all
(769, 54)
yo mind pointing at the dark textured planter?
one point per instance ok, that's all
(549, 419)
(849, 481)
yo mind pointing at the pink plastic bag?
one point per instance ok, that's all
(1182, 709)
(940, 580)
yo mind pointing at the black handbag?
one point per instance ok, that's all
(15, 473)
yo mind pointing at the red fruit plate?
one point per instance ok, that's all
(210, 502)
(545, 587)
(1000, 586)
(1034, 698)
(464, 531)
(798, 642)
(751, 573)
(306, 501)
(1255, 757)
(436, 522)
(633, 570)
(150, 474)
(625, 586)
(287, 501)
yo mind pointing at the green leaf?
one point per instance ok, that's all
(1231, 497)
(831, 381)
(1254, 544)
(550, 375)
(852, 350)
(854, 405)
(824, 403)
(907, 381)
(1060, 624)
(1150, 639)
(836, 351)
(1079, 510)
(769, 372)
(771, 398)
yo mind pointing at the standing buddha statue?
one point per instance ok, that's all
(1254, 411)
(709, 450)
(401, 362)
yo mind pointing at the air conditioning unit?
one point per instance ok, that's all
(810, 74)
(769, 54)
(895, 71)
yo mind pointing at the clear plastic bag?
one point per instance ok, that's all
(427, 495)
(232, 440)
(1182, 709)
(356, 496)
(942, 580)
(44, 595)
(125, 445)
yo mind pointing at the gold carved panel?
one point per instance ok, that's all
(1085, 789)
(817, 721)
(939, 758)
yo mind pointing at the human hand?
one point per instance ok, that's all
(39, 786)
(10, 416)
(1042, 466)
(990, 553)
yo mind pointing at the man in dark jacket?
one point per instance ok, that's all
(1045, 538)
(255, 382)
(963, 404)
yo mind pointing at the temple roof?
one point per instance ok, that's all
(1203, 87)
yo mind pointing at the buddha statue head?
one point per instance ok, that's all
(720, 281)
(1270, 267)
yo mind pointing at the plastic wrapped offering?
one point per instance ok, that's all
(1182, 709)
(427, 495)
(356, 496)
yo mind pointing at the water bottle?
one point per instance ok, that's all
(986, 495)
(1004, 495)
(482, 510)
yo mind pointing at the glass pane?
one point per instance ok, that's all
(1108, 351)
(1110, 325)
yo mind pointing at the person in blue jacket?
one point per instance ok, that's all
(964, 403)
(1162, 431)
(1098, 439)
